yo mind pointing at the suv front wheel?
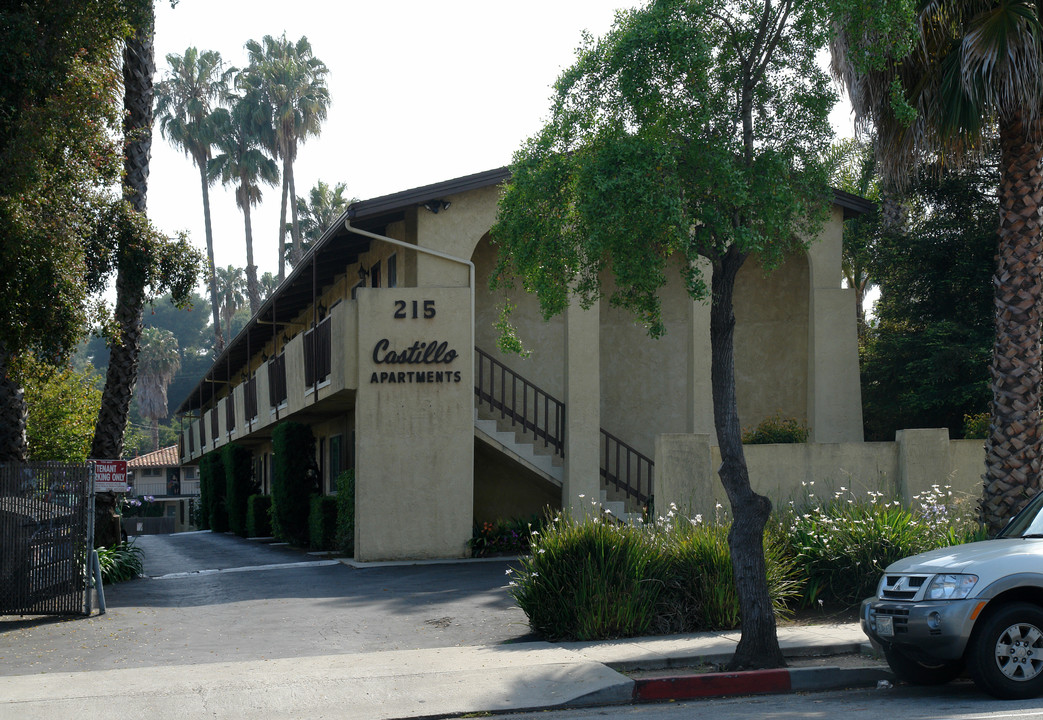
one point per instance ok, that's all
(1006, 656)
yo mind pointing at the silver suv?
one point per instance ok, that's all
(977, 607)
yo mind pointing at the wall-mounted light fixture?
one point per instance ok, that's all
(322, 311)
(363, 273)
(436, 206)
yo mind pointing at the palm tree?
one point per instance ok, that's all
(963, 71)
(268, 284)
(230, 286)
(323, 206)
(242, 160)
(186, 101)
(158, 363)
(293, 83)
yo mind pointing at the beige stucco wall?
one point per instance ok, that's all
(686, 469)
(414, 442)
(505, 489)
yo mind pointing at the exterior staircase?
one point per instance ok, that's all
(520, 420)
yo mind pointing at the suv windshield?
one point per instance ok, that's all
(1028, 522)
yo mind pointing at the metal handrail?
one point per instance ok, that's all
(548, 425)
(625, 468)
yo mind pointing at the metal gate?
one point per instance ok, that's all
(45, 538)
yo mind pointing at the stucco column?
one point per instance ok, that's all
(684, 474)
(582, 407)
(699, 387)
(834, 392)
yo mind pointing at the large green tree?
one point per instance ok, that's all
(158, 361)
(925, 359)
(242, 162)
(934, 79)
(187, 102)
(317, 212)
(692, 133)
(59, 120)
(292, 81)
(62, 404)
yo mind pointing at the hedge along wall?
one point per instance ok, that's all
(295, 478)
(208, 474)
(215, 507)
(238, 465)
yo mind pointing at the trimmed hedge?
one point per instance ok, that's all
(346, 512)
(259, 516)
(239, 485)
(322, 522)
(295, 478)
(212, 490)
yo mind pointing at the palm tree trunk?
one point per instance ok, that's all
(759, 645)
(298, 251)
(252, 288)
(282, 226)
(138, 69)
(1012, 449)
(219, 341)
(13, 445)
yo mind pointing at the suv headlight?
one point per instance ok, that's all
(950, 587)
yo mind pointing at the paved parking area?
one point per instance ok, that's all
(215, 598)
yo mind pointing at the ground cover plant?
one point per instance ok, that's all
(503, 537)
(121, 562)
(592, 577)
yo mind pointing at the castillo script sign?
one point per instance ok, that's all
(110, 476)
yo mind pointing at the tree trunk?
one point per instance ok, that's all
(13, 445)
(252, 288)
(298, 251)
(138, 69)
(282, 226)
(759, 644)
(219, 341)
(1012, 449)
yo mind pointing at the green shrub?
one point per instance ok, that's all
(345, 539)
(322, 522)
(503, 536)
(776, 429)
(295, 478)
(976, 427)
(258, 516)
(206, 493)
(218, 493)
(121, 562)
(589, 580)
(239, 485)
(843, 546)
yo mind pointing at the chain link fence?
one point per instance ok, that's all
(44, 538)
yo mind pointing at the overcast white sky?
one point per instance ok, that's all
(420, 92)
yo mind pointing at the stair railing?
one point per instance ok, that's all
(543, 415)
(625, 468)
(521, 401)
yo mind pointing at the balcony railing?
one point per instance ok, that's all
(159, 487)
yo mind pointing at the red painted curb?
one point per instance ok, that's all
(683, 687)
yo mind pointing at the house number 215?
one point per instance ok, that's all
(428, 309)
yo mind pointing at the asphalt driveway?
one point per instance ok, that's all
(214, 598)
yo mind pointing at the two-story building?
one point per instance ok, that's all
(382, 341)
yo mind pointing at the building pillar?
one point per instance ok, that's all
(699, 388)
(685, 475)
(582, 407)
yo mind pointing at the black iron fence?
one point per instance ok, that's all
(44, 538)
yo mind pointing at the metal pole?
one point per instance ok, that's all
(90, 538)
(98, 581)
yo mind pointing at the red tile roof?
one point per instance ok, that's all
(164, 457)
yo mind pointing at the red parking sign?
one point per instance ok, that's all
(110, 476)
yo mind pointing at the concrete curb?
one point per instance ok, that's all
(754, 682)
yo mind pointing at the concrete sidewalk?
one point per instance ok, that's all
(433, 682)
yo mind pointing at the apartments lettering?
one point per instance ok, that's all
(435, 352)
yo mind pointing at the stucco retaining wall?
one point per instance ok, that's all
(686, 469)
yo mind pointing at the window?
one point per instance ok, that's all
(214, 431)
(336, 460)
(202, 430)
(317, 354)
(230, 413)
(374, 275)
(250, 398)
(393, 271)
(277, 380)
